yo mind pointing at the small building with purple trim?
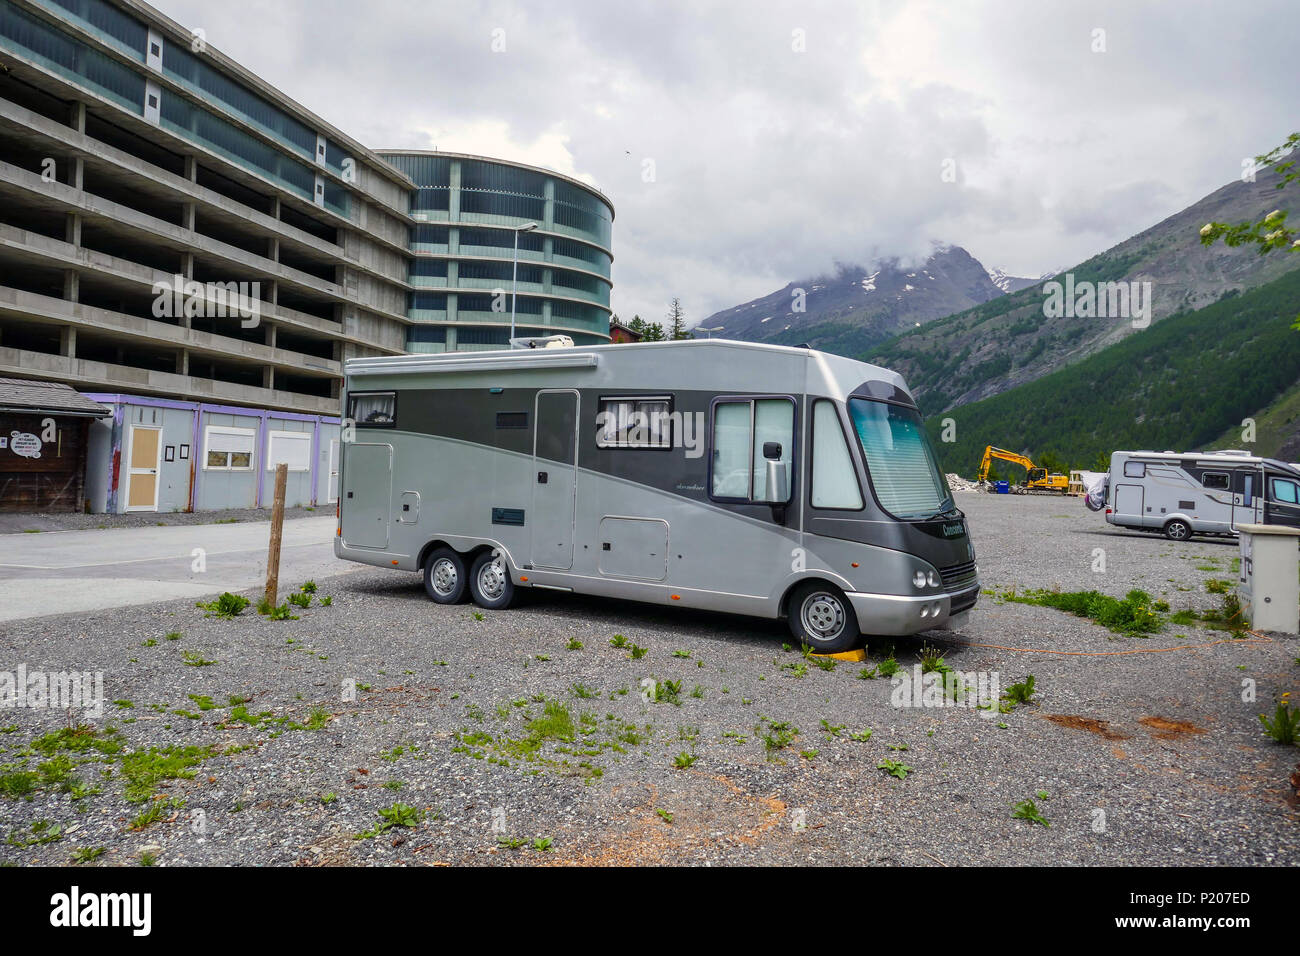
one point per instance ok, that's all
(160, 454)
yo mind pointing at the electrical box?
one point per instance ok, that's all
(1269, 583)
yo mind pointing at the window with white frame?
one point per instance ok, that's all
(289, 448)
(226, 448)
(635, 422)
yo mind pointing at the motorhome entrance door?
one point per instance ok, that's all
(1247, 496)
(555, 478)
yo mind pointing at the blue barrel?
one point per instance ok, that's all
(1003, 487)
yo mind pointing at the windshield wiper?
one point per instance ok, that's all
(951, 506)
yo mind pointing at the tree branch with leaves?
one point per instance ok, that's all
(1271, 232)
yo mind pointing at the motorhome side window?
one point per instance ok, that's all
(1135, 469)
(373, 409)
(834, 482)
(1215, 480)
(1285, 491)
(741, 427)
(634, 422)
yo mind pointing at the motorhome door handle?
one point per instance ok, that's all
(541, 477)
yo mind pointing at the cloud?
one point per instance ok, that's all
(786, 137)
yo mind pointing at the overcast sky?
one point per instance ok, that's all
(786, 137)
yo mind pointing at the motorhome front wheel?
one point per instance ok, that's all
(490, 583)
(821, 617)
(444, 577)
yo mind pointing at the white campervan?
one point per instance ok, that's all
(1186, 493)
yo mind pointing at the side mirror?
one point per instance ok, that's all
(778, 484)
(772, 450)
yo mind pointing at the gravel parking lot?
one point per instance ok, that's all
(523, 737)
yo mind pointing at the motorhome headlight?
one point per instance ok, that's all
(933, 579)
(918, 579)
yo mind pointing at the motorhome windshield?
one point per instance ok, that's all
(900, 459)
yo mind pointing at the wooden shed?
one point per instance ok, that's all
(43, 430)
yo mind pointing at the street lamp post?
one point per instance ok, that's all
(716, 328)
(514, 278)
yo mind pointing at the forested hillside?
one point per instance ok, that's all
(1181, 384)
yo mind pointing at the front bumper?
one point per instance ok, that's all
(897, 615)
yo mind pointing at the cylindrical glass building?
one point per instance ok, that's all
(468, 210)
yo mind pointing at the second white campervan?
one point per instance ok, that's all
(1184, 493)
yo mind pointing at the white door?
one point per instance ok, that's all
(143, 455)
(332, 488)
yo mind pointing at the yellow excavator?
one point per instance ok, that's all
(1037, 479)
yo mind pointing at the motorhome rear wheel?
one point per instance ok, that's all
(1178, 530)
(489, 582)
(444, 577)
(822, 618)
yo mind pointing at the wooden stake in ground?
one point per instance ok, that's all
(277, 530)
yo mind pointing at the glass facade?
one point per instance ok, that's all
(194, 122)
(61, 52)
(467, 250)
(107, 22)
(192, 72)
(71, 58)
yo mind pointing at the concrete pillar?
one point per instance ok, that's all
(77, 178)
(192, 168)
(183, 362)
(275, 207)
(273, 249)
(71, 285)
(68, 341)
(72, 231)
(77, 117)
(548, 211)
(188, 215)
(268, 377)
(269, 331)
(453, 197)
(187, 270)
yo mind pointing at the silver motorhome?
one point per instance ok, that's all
(730, 476)
(1186, 493)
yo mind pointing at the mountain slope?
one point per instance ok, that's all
(1009, 283)
(1009, 341)
(1277, 429)
(859, 307)
(1181, 384)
